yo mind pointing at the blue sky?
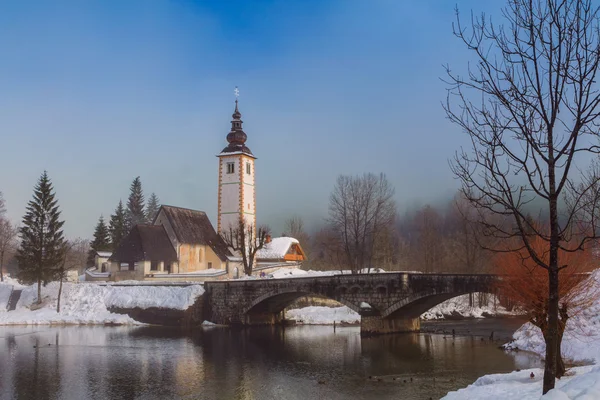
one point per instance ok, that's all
(98, 92)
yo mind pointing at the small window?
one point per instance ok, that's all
(153, 265)
(248, 168)
(209, 265)
(230, 168)
(132, 266)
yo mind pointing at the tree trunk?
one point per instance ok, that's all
(59, 293)
(39, 294)
(552, 333)
(2, 266)
(560, 364)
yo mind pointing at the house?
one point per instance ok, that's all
(181, 243)
(280, 250)
(101, 260)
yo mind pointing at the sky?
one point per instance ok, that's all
(99, 92)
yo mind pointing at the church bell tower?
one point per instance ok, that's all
(237, 196)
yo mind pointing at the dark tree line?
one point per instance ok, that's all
(136, 211)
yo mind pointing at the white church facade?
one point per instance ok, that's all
(182, 244)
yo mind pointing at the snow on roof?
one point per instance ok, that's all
(276, 248)
(104, 253)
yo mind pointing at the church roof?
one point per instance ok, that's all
(194, 227)
(236, 137)
(145, 243)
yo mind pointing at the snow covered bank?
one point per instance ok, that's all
(316, 315)
(88, 303)
(458, 307)
(581, 343)
(583, 383)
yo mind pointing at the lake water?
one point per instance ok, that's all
(302, 362)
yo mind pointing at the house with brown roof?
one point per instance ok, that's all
(181, 243)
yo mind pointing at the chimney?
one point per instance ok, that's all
(268, 239)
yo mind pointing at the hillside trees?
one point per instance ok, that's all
(152, 208)
(530, 106)
(8, 242)
(117, 226)
(100, 242)
(135, 212)
(42, 243)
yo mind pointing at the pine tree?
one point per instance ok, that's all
(117, 226)
(135, 205)
(152, 208)
(101, 241)
(42, 243)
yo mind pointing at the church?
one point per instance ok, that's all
(182, 244)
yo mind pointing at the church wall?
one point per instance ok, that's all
(194, 258)
(229, 192)
(248, 203)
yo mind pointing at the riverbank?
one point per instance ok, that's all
(89, 303)
(580, 345)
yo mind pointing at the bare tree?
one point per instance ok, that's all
(2, 205)
(429, 241)
(530, 106)
(246, 240)
(8, 242)
(75, 257)
(328, 250)
(360, 209)
(468, 242)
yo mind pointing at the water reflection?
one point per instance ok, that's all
(263, 363)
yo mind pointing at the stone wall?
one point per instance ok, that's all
(193, 316)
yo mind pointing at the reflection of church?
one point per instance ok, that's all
(182, 244)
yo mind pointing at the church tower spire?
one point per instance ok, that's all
(237, 196)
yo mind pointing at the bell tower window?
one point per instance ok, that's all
(248, 168)
(230, 168)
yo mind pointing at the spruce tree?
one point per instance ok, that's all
(135, 205)
(117, 226)
(41, 252)
(152, 208)
(101, 241)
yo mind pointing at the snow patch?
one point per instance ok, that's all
(459, 307)
(316, 315)
(88, 303)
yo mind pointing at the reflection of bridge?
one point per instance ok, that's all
(388, 302)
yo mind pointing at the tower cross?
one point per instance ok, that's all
(237, 92)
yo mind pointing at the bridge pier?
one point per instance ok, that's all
(263, 318)
(377, 325)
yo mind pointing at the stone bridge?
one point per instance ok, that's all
(387, 302)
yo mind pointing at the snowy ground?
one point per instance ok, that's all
(88, 303)
(5, 291)
(458, 307)
(581, 343)
(316, 315)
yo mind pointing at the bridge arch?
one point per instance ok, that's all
(417, 303)
(277, 300)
